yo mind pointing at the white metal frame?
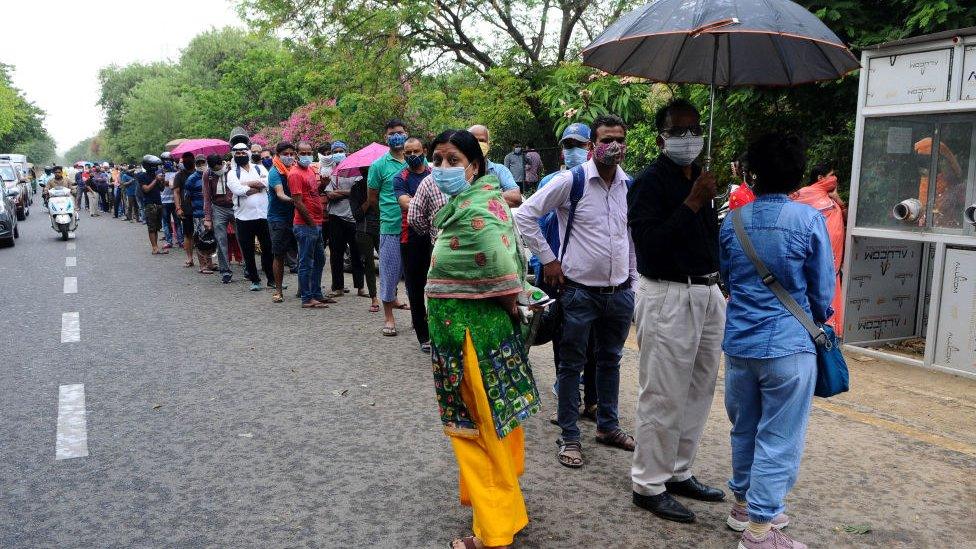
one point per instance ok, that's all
(940, 240)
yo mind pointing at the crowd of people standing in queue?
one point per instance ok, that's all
(611, 249)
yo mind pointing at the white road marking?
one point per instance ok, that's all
(71, 262)
(70, 284)
(71, 246)
(72, 441)
(70, 327)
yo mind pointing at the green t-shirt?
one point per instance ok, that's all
(381, 174)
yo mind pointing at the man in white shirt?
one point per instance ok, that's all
(249, 183)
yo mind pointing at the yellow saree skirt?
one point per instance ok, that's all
(489, 466)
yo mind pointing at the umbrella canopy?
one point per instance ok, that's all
(360, 159)
(173, 144)
(201, 146)
(721, 42)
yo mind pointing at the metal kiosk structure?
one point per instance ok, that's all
(910, 255)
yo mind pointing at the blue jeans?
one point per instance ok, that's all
(311, 261)
(768, 402)
(169, 215)
(608, 317)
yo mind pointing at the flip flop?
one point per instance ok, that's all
(402, 306)
(314, 305)
(188, 263)
(389, 331)
(374, 308)
(277, 298)
(204, 271)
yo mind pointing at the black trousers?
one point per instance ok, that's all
(342, 234)
(247, 231)
(589, 369)
(415, 255)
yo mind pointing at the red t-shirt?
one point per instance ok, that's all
(305, 182)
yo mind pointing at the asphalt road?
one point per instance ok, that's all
(214, 418)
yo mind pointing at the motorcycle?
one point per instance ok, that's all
(61, 209)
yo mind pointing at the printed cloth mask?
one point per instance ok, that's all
(683, 150)
(396, 140)
(451, 181)
(574, 156)
(610, 154)
(414, 160)
(288, 161)
(304, 161)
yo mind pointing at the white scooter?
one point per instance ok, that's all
(61, 209)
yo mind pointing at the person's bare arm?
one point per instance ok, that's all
(372, 199)
(404, 201)
(299, 202)
(280, 193)
(513, 197)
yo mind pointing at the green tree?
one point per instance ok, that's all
(155, 113)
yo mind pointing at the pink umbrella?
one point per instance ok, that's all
(360, 159)
(201, 146)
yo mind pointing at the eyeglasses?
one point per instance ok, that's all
(681, 131)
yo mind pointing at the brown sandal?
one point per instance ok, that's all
(469, 542)
(570, 453)
(617, 439)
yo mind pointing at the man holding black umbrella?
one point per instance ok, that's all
(680, 314)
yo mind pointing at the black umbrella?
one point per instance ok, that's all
(721, 43)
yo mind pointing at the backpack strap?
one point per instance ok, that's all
(575, 194)
(769, 280)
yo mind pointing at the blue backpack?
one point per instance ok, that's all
(550, 222)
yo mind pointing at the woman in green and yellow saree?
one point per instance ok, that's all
(484, 383)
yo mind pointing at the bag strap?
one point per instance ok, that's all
(575, 194)
(769, 280)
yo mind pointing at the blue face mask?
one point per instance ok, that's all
(267, 162)
(338, 157)
(414, 160)
(305, 161)
(396, 140)
(450, 181)
(574, 156)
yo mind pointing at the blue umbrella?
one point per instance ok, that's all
(721, 43)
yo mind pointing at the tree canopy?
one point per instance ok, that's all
(22, 123)
(339, 69)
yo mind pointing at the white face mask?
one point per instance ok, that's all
(684, 150)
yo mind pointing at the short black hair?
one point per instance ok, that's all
(818, 171)
(325, 148)
(777, 160)
(465, 142)
(679, 104)
(186, 155)
(394, 122)
(606, 121)
(282, 146)
(214, 161)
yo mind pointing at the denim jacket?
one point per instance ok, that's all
(792, 241)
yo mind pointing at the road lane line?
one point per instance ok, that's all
(71, 262)
(70, 284)
(72, 440)
(70, 327)
(71, 246)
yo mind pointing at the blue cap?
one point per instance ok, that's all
(339, 145)
(577, 131)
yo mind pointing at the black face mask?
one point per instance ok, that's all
(241, 160)
(187, 165)
(255, 157)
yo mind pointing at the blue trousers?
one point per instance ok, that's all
(169, 216)
(768, 402)
(311, 261)
(607, 317)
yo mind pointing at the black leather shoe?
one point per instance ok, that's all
(693, 489)
(664, 506)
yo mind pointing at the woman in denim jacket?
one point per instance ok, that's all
(772, 363)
